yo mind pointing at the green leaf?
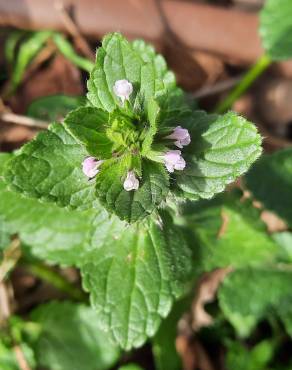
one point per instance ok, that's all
(67, 50)
(4, 236)
(49, 168)
(134, 280)
(270, 181)
(163, 344)
(131, 205)
(54, 234)
(88, 126)
(29, 48)
(247, 296)
(10, 45)
(276, 28)
(225, 230)
(148, 54)
(117, 59)
(130, 367)
(284, 240)
(153, 114)
(284, 311)
(222, 148)
(70, 338)
(239, 358)
(55, 107)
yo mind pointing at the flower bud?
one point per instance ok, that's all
(181, 137)
(90, 167)
(174, 161)
(131, 182)
(123, 89)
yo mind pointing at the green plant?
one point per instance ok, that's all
(128, 189)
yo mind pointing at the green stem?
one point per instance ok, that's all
(58, 281)
(255, 71)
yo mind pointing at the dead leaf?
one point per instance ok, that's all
(206, 292)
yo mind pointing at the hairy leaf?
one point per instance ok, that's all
(276, 28)
(49, 168)
(134, 280)
(117, 59)
(70, 338)
(132, 205)
(88, 126)
(222, 148)
(54, 234)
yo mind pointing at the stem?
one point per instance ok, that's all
(255, 71)
(58, 281)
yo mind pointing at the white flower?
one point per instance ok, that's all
(90, 167)
(123, 89)
(181, 135)
(131, 182)
(174, 161)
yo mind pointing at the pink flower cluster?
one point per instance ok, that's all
(173, 159)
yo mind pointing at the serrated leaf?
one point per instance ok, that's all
(270, 181)
(117, 59)
(225, 230)
(88, 125)
(222, 148)
(132, 205)
(246, 296)
(55, 107)
(276, 28)
(49, 168)
(70, 338)
(134, 280)
(55, 234)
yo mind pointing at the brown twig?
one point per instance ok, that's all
(10, 257)
(216, 88)
(73, 30)
(21, 360)
(4, 303)
(17, 119)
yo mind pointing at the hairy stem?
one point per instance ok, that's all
(248, 79)
(54, 278)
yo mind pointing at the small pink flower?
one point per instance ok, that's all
(174, 161)
(131, 182)
(90, 167)
(181, 136)
(123, 89)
